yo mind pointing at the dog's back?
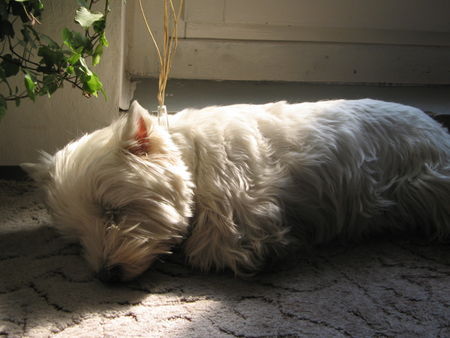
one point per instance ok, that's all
(265, 173)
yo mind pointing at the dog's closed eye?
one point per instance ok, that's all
(112, 215)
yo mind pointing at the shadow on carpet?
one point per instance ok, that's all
(387, 287)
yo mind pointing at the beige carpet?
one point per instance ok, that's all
(381, 288)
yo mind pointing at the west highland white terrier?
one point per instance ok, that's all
(239, 185)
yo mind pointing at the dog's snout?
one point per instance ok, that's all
(110, 274)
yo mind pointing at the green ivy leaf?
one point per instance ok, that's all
(67, 37)
(96, 59)
(86, 18)
(99, 26)
(75, 40)
(90, 80)
(103, 40)
(97, 55)
(30, 84)
(50, 83)
(93, 84)
(84, 67)
(40, 5)
(74, 58)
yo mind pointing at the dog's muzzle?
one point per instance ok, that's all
(110, 274)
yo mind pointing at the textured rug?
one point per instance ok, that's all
(385, 287)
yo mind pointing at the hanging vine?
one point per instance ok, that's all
(44, 64)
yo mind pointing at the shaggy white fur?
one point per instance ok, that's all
(244, 183)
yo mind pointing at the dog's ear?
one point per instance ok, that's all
(138, 128)
(141, 135)
(39, 172)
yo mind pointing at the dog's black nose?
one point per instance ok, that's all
(110, 274)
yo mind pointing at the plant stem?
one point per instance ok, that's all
(13, 98)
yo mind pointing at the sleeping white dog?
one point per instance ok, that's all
(242, 184)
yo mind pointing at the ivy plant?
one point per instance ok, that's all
(44, 64)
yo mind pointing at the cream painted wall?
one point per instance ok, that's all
(49, 123)
(351, 41)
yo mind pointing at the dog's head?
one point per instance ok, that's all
(123, 191)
